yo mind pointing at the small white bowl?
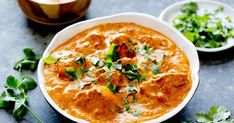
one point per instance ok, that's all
(142, 19)
(169, 13)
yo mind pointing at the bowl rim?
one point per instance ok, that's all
(164, 13)
(162, 118)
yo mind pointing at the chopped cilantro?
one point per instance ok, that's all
(126, 104)
(50, 59)
(154, 68)
(80, 60)
(114, 89)
(111, 55)
(131, 72)
(206, 30)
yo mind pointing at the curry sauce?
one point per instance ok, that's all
(117, 72)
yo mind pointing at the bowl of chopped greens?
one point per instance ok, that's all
(209, 25)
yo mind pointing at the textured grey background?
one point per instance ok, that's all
(16, 32)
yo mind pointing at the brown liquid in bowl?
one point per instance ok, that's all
(54, 12)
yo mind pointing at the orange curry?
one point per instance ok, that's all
(117, 72)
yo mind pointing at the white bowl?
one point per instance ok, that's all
(142, 19)
(173, 10)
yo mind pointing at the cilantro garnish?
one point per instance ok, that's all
(14, 98)
(131, 72)
(206, 30)
(154, 68)
(145, 51)
(113, 89)
(29, 62)
(77, 75)
(80, 60)
(217, 114)
(111, 55)
(50, 59)
(126, 104)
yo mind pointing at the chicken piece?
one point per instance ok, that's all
(167, 88)
(124, 51)
(126, 47)
(99, 103)
(91, 43)
(115, 78)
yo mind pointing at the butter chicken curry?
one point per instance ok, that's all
(117, 72)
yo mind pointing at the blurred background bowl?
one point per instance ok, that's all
(54, 12)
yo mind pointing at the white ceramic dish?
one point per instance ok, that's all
(142, 19)
(173, 10)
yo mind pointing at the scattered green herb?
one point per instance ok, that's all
(154, 68)
(80, 60)
(29, 62)
(111, 55)
(131, 72)
(126, 105)
(71, 71)
(145, 51)
(113, 89)
(50, 60)
(206, 30)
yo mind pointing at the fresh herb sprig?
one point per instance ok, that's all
(217, 114)
(29, 62)
(14, 97)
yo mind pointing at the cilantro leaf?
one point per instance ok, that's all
(206, 30)
(154, 68)
(27, 83)
(80, 60)
(50, 59)
(3, 104)
(111, 54)
(217, 114)
(12, 82)
(71, 71)
(126, 104)
(14, 98)
(113, 89)
(29, 62)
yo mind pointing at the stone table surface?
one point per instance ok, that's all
(16, 32)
